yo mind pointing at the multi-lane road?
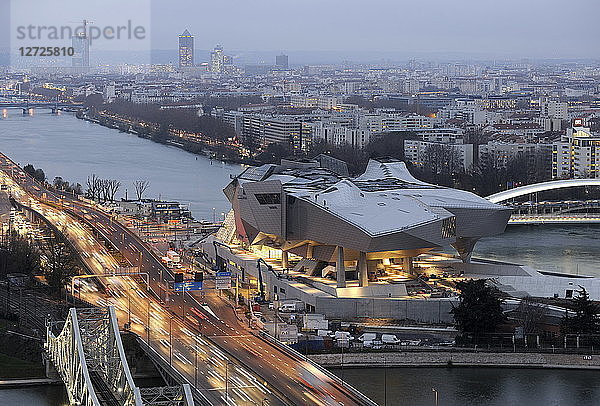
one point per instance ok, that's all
(216, 352)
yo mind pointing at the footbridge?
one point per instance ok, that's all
(541, 187)
(550, 212)
(89, 357)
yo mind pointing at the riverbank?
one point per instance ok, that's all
(459, 359)
(20, 383)
(193, 143)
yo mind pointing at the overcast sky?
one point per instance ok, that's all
(394, 29)
(538, 28)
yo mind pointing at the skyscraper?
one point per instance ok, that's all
(186, 49)
(217, 59)
(281, 61)
(81, 47)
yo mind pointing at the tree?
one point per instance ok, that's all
(112, 186)
(93, 187)
(140, 188)
(60, 262)
(389, 145)
(61, 184)
(480, 308)
(586, 319)
(274, 152)
(104, 190)
(441, 163)
(530, 315)
(29, 169)
(93, 101)
(36, 174)
(19, 255)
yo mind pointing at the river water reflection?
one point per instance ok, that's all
(477, 386)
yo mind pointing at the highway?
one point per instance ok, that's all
(211, 343)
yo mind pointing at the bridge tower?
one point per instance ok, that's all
(54, 109)
(90, 359)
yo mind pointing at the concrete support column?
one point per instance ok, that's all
(464, 246)
(407, 265)
(340, 269)
(363, 273)
(309, 251)
(284, 259)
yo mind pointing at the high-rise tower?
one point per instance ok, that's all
(186, 50)
(81, 47)
(217, 59)
(281, 61)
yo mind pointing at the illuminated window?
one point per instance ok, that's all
(268, 198)
(449, 227)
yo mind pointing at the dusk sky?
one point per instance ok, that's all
(360, 30)
(537, 28)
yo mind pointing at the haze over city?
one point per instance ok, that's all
(387, 28)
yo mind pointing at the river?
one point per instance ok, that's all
(47, 395)
(65, 146)
(477, 386)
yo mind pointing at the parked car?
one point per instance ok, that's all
(389, 339)
(367, 337)
(343, 335)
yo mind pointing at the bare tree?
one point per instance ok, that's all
(112, 187)
(442, 159)
(60, 264)
(530, 315)
(103, 190)
(140, 188)
(94, 185)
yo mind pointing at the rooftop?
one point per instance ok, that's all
(386, 198)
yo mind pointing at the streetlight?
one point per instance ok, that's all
(342, 364)
(195, 366)
(170, 342)
(148, 324)
(227, 380)
(384, 380)
(436, 395)
(129, 305)
(183, 304)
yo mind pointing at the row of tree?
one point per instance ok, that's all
(61, 184)
(37, 174)
(99, 189)
(166, 119)
(50, 257)
(18, 255)
(480, 311)
(103, 190)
